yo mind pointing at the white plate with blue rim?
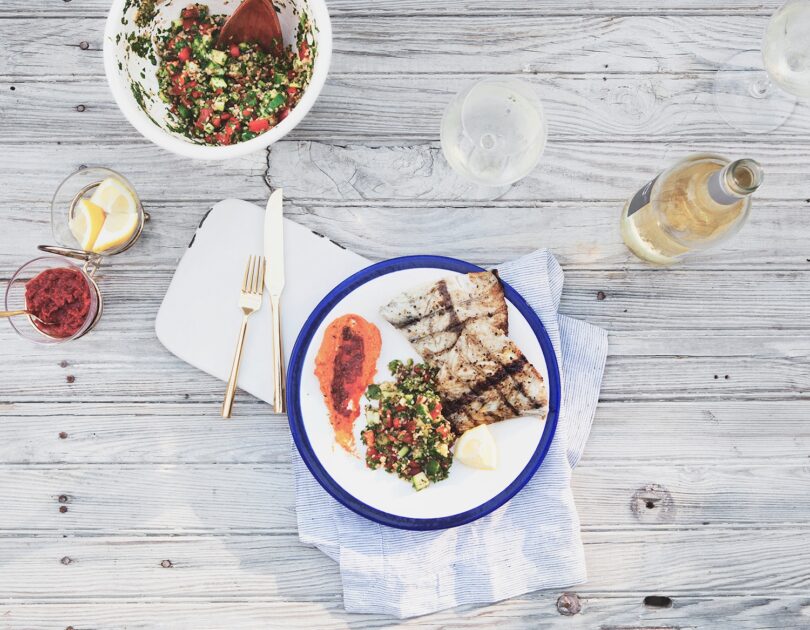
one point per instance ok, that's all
(467, 494)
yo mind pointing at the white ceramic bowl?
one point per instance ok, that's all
(126, 69)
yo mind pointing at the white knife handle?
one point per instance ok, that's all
(279, 393)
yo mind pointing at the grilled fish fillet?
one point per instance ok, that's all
(459, 325)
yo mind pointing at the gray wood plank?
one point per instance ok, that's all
(131, 499)
(278, 568)
(582, 235)
(83, 8)
(693, 432)
(396, 107)
(316, 171)
(31, 173)
(532, 44)
(736, 612)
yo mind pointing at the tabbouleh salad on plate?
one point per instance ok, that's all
(405, 431)
(221, 97)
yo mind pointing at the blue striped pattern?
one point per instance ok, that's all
(532, 542)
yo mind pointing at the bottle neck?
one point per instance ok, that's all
(735, 181)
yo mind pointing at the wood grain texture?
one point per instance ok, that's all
(625, 612)
(133, 499)
(533, 44)
(278, 568)
(568, 171)
(84, 8)
(582, 235)
(397, 107)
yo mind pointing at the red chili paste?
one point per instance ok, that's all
(345, 366)
(60, 298)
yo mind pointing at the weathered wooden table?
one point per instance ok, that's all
(127, 502)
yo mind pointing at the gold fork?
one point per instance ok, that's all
(250, 301)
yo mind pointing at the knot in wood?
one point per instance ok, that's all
(63, 498)
(84, 45)
(63, 508)
(66, 560)
(568, 604)
(653, 503)
(62, 435)
(166, 564)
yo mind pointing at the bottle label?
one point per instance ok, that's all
(641, 198)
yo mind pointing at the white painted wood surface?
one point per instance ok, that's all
(127, 503)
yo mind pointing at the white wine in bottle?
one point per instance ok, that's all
(694, 205)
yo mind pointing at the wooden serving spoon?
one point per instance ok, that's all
(253, 22)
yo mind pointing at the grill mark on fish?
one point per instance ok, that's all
(447, 301)
(481, 387)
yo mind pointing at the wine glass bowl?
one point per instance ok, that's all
(494, 131)
(755, 91)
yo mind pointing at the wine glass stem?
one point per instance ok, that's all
(761, 86)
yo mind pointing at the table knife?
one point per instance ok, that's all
(274, 279)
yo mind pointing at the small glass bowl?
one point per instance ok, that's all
(80, 184)
(15, 299)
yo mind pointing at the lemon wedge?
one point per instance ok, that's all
(476, 449)
(86, 223)
(114, 197)
(117, 230)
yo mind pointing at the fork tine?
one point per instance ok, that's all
(247, 271)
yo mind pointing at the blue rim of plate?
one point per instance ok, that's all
(295, 415)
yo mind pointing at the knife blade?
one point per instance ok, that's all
(274, 280)
(274, 243)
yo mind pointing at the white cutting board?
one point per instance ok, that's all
(199, 318)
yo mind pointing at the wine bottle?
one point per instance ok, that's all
(692, 206)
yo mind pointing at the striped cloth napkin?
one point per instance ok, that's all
(532, 542)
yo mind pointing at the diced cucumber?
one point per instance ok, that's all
(218, 82)
(218, 105)
(219, 57)
(432, 467)
(403, 451)
(420, 481)
(372, 417)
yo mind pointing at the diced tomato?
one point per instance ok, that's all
(248, 111)
(184, 54)
(216, 121)
(436, 411)
(225, 116)
(407, 438)
(368, 436)
(397, 423)
(443, 431)
(303, 50)
(234, 50)
(411, 426)
(191, 11)
(196, 94)
(205, 114)
(292, 90)
(258, 125)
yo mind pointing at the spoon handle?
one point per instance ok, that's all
(13, 313)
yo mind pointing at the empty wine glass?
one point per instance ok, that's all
(494, 131)
(756, 90)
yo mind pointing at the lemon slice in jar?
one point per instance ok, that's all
(117, 230)
(476, 449)
(114, 197)
(86, 223)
